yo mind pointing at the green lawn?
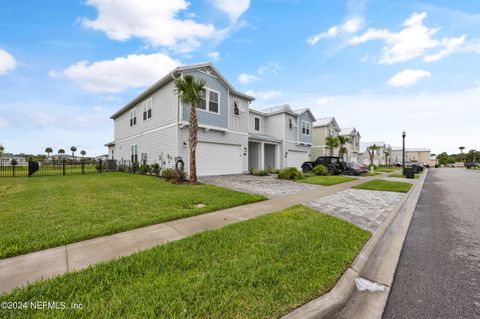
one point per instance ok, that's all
(387, 169)
(261, 268)
(401, 176)
(327, 180)
(370, 173)
(43, 212)
(383, 185)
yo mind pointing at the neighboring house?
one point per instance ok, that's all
(153, 128)
(279, 137)
(353, 144)
(414, 155)
(379, 156)
(8, 157)
(322, 128)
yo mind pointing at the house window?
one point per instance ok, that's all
(290, 123)
(305, 128)
(134, 153)
(133, 117)
(257, 124)
(209, 101)
(202, 104)
(213, 101)
(147, 109)
(236, 110)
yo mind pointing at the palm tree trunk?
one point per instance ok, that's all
(193, 128)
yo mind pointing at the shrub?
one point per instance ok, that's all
(320, 170)
(169, 174)
(290, 173)
(181, 175)
(134, 167)
(273, 170)
(144, 169)
(257, 172)
(155, 169)
(122, 168)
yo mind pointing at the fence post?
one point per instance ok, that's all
(100, 164)
(63, 167)
(83, 166)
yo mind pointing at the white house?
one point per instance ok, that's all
(323, 128)
(153, 128)
(353, 144)
(380, 156)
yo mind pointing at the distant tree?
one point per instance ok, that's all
(444, 158)
(189, 90)
(472, 156)
(48, 150)
(332, 143)
(61, 152)
(342, 140)
(372, 150)
(461, 148)
(386, 153)
(83, 153)
(73, 149)
(2, 148)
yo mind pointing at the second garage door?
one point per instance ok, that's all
(296, 158)
(218, 159)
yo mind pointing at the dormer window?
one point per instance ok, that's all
(133, 117)
(236, 110)
(147, 109)
(305, 128)
(290, 123)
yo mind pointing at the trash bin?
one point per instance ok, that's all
(409, 172)
(420, 169)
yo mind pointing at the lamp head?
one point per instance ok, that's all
(404, 134)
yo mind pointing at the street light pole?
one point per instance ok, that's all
(403, 152)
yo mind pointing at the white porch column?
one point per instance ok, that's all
(262, 155)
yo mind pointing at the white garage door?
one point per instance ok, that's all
(296, 158)
(218, 159)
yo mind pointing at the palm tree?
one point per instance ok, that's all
(189, 90)
(372, 149)
(461, 148)
(61, 151)
(332, 143)
(386, 152)
(83, 153)
(342, 140)
(48, 150)
(1, 150)
(73, 149)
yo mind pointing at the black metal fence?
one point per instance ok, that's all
(56, 167)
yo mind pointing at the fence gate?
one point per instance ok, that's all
(32, 167)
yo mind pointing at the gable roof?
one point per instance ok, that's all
(305, 110)
(326, 121)
(170, 76)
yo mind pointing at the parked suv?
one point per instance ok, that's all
(334, 164)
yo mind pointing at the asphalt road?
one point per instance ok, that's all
(438, 275)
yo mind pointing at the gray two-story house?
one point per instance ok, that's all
(153, 128)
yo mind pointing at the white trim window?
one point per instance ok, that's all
(290, 123)
(147, 109)
(133, 117)
(134, 153)
(209, 101)
(236, 109)
(257, 124)
(305, 128)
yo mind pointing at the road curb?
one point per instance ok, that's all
(333, 302)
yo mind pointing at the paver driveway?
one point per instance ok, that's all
(269, 186)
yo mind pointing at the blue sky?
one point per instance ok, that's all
(381, 66)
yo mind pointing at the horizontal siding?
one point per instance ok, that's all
(305, 116)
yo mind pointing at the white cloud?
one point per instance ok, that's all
(3, 122)
(412, 41)
(265, 97)
(270, 67)
(214, 56)
(408, 77)
(42, 118)
(350, 26)
(234, 8)
(155, 21)
(7, 62)
(246, 78)
(121, 73)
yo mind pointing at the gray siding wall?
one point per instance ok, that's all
(164, 112)
(158, 144)
(251, 123)
(208, 118)
(291, 133)
(301, 137)
(275, 126)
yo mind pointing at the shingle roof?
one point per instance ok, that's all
(323, 121)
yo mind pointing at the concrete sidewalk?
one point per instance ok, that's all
(20, 270)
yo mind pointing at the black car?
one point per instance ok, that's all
(472, 165)
(352, 168)
(334, 164)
